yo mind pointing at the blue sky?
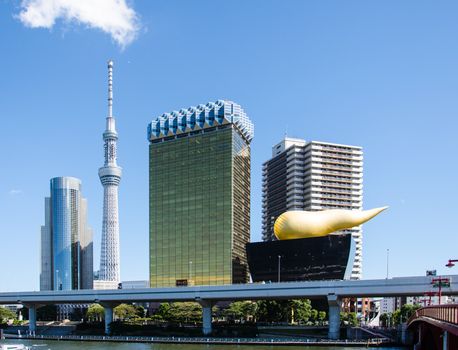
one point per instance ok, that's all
(379, 74)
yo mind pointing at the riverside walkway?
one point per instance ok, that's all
(210, 340)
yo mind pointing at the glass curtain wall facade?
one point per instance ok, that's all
(66, 239)
(200, 205)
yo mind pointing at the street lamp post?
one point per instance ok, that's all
(279, 264)
(190, 273)
(387, 262)
(440, 282)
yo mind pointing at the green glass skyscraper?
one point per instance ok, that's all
(199, 195)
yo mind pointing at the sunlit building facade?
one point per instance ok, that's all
(199, 195)
(66, 239)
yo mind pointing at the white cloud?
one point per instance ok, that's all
(114, 17)
(15, 192)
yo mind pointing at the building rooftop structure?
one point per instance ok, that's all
(201, 117)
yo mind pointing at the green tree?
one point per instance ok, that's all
(140, 310)
(125, 312)
(314, 315)
(396, 317)
(348, 318)
(352, 319)
(185, 312)
(241, 310)
(295, 310)
(6, 314)
(164, 311)
(321, 316)
(271, 311)
(406, 311)
(300, 310)
(95, 312)
(384, 319)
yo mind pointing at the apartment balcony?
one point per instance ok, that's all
(348, 156)
(320, 181)
(295, 196)
(335, 160)
(295, 179)
(336, 149)
(349, 192)
(294, 206)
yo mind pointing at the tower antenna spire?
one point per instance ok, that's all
(110, 88)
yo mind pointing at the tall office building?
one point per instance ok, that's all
(313, 176)
(66, 238)
(110, 176)
(199, 195)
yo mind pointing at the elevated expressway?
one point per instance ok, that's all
(208, 295)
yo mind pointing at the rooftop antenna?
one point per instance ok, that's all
(110, 88)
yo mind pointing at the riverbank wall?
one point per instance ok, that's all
(377, 342)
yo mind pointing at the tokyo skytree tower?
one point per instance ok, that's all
(110, 176)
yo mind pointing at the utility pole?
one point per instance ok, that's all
(279, 264)
(387, 262)
(439, 283)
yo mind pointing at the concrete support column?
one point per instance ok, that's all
(334, 304)
(420, 331)
(445, 341)
(32, 318)
(207, 316)
(108, 308)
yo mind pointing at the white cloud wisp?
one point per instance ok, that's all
(114, 17)
(15, 192)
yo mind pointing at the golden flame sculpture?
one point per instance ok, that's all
(308, 224)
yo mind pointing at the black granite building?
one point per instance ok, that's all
(306, 259)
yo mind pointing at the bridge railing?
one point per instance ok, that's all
(445, 313)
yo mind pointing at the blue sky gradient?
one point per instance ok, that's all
(382, 75)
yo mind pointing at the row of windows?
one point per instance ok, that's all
(191, 209)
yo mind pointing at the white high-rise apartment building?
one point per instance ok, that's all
(110, 176)
(312, 176)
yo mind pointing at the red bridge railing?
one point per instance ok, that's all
(444, 313)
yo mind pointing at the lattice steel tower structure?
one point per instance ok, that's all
(110, 176)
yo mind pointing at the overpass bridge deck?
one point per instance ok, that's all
(402, 286)
(207, 295)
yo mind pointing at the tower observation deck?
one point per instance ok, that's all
(110, 176)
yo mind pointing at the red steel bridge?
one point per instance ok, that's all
(435, 327)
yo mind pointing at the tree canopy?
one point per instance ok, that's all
(125, 312)
(291, 311)
(95, 312)
(181, 312)
(6, 314)
(241, 310)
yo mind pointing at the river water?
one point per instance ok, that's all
(74, 345)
